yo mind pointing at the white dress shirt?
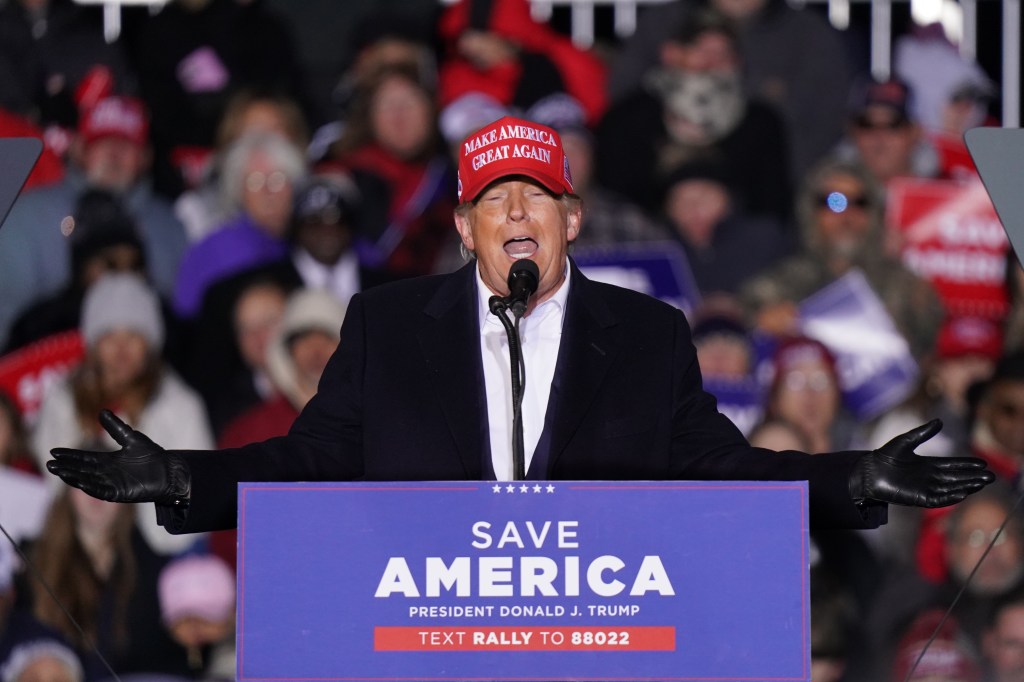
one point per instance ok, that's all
(541, 334)
(341, 279)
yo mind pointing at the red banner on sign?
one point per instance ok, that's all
(950, 234)
(527, 638)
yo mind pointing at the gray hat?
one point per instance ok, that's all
(307, 310)
(122, 300)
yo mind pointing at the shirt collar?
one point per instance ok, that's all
(553, 306)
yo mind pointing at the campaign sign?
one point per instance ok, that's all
(658, 269)
(521, 580)
(950, 235)
(876, 369)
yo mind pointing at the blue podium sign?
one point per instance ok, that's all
(523, 581)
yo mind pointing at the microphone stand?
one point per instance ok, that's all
(499, 307)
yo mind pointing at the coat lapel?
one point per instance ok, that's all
(450, 340)
(590, 343)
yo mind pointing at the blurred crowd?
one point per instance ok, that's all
(203, 211)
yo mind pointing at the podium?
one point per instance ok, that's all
(525, 580)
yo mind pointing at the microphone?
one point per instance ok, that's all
(523, 278)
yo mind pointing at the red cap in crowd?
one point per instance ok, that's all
(963, 336)
(512, 146)
(115, 116)
(946, 658)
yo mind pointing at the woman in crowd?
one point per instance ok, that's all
(122, 371)
(101, 570)
(259, 174)
(394, 154)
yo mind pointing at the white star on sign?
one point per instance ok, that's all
(511, 488)
(496, 488)
(551, 488)
(524, 488)
(536, 488)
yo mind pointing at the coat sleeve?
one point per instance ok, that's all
(707, 446)
(324, 443)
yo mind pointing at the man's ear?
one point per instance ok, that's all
(574, 221)
(462, 224)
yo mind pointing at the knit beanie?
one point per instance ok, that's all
(307, 310)
(122, 300)
(197, 586)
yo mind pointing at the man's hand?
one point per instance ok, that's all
(894, 473)
(141, 471)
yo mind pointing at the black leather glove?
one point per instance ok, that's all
(141, 471)
(894, 473)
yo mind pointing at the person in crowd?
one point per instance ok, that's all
(103, 238)
(197, 606)
(260, 174)
(934, 649)
(727, 358)
(884, 137)
(242, 315)
(496, 47)
(969, 530)
(202, 207)
(793, 60)
(692, 107)
(393, 152)
(295, 360)
(1003, 642)
(110, 153)
(724, 245)
(952, 92)
(322, 256)
(41, 659)
(609, 219)
(965, 354)
(53, 56)
(29, 650)
(383, 38)
(105, 574)
(840, 211)
(417, 338)
(123, 333)
(805, 391)
(192, 57)
(997, 434)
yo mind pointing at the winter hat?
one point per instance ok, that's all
(99, 222)
(800, 349)
(468, 113)
(122, 300)
(512, 146)
(330, 200)
(946, 657)
(116, 116)
(560, 111)
(26, 653)
(892, 94)
(306, 310)
(199, 586)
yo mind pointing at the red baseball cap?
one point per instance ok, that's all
(115, 117)
(961, 336)
(512, 146)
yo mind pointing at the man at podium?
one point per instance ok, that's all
(417, 388)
